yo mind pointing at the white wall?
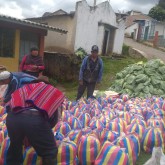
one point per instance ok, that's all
(60, 41)
(131, 29)
(100, 36)
(88, 32)
(160, 28)
(119, 39)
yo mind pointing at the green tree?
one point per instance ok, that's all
(157, 13)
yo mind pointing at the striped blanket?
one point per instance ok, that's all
(41, 96)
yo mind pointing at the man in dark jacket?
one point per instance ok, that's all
(90, 73)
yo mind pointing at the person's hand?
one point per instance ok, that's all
(81, 82)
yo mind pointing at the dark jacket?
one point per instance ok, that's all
(91, 71)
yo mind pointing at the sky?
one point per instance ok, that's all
(36, 8)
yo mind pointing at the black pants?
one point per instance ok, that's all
(90, 89)
(38, 131)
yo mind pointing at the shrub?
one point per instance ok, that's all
(125, 50)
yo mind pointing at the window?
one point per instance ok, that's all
(7, 36)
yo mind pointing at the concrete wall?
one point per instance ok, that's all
(58, 41)
(100, 36)
(62, 66)
(161, 29)
(12, 64)
(131, 29)
(88, 31)
(119, 39)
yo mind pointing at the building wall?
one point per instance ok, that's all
(135, 12)
(100, 36)
(56, 40)
(119, 39)
(131, 29)
(88, 31)
(63, 67)
(12, 63)
(161, 29)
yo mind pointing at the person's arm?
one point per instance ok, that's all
(83, 65)
(100, 71)
(22, 63)
(11, 88)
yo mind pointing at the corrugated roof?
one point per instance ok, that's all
(31, 24)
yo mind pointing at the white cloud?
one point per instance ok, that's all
(11, 9)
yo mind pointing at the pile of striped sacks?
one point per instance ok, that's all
(106, 130)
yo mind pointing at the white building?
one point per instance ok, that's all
(87, 26)
(143, 27)
(133, 22)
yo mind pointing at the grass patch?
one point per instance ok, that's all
(111, 68)
(143, 157)
(125, 50)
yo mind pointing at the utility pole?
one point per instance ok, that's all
(94, 3)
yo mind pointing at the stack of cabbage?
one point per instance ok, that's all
(141, 79)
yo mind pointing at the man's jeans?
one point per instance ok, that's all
(90, 89)
(38, 131)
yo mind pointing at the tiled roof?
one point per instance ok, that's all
(31, 24)
(130, 19)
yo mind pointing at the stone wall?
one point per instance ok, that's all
(136, 53)
(62, 67)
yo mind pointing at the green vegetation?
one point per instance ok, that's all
(125, 50)
(143, 157)
(141, 79)
(158, 13)
(80, 52)
(111, 68)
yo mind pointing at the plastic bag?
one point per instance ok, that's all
(158, 158)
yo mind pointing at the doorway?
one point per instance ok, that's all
(146, 33)
(105, 41)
